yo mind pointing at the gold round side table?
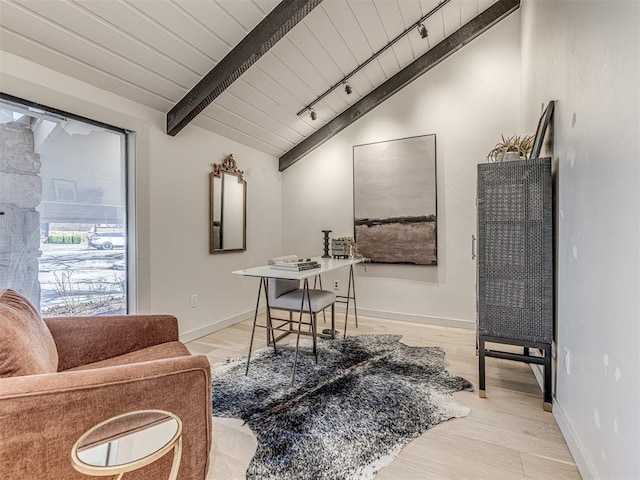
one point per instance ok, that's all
(128, 442)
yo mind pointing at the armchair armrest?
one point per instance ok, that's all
(41, 416)
(82, 340)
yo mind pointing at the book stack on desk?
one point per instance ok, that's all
(296, 266)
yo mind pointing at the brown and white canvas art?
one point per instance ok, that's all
(395, 200)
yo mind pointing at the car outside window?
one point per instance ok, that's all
(107, 240)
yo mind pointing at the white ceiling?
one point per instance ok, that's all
(155, 51)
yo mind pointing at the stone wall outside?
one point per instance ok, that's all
(20, 194)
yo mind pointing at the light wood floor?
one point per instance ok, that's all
(507, 435)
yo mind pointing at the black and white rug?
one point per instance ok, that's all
(344, 418)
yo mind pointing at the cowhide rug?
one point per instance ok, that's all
(344, 418)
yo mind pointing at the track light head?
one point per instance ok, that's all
(313, 114)
(422, 30)
(347, 88)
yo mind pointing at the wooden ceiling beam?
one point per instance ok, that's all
(424, 63)
(258, 42)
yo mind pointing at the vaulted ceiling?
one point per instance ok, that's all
(156, 51)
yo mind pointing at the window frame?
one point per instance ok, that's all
(127, 153)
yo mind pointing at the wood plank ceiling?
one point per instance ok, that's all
(155, 51)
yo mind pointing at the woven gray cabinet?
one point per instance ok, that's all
(515, 263)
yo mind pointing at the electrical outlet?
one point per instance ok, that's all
(336, 284)
(567, 361)
(194, 301)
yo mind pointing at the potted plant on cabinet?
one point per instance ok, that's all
(511, 148)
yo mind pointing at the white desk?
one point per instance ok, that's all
(326, 265)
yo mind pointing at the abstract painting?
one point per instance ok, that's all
(394, 185)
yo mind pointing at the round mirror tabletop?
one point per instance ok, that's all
(128, 442)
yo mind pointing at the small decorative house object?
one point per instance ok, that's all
(341, 247)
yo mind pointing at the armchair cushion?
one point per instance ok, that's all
(26, 344)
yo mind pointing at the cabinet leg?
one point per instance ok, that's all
(548, 401)
(481, 374)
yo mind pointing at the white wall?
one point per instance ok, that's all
(467, 101)
(180, 258)
(172, 209)
(586, 55)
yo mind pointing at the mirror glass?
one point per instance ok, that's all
(228, 208)
(127, 438)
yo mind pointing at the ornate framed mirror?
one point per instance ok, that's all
(228, 208)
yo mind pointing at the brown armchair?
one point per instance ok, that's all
(61, 376)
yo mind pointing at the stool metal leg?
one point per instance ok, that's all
(314, 325)
(333, 320)
(314, 320)
(318, 278)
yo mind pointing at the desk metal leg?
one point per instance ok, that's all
(352, 281)
(269, 317)
(352, 286)
(318, 278)
(263, 282)
(305, 291)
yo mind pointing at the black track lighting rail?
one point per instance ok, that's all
(374, 56)
(471, 30)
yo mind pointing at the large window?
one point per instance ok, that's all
(63, 210)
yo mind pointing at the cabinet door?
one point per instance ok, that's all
(515, 250)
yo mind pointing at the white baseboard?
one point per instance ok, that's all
(584, 464)
(405, 317)
(218, 325)
(414, 318)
